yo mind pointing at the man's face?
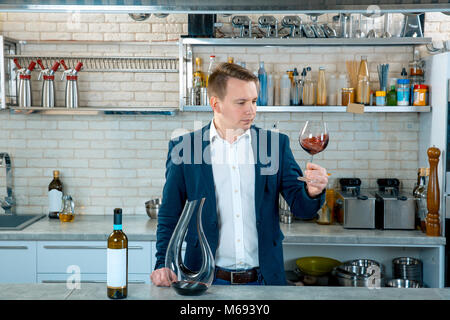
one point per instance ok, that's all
(238, 108)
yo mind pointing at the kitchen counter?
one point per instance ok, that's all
(97, 291)
(141, 228)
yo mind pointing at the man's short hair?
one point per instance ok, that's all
(217, 81)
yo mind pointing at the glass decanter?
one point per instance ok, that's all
(183, 280)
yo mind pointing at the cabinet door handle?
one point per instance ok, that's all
(13, 247)
(87, 247)
(91, 281)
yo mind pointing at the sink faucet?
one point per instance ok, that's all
(8, 203)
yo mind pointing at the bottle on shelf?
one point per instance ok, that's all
(363, 90)
(403, 91)
(332, 90)
(117, 260)
(321, 88)
(211, 67)
(55, 196)
(285, 89)
(270, 90)
(262, 77)
(294, 89)
(198, 73)
(309, 90)
(391, 96)
(420, 193)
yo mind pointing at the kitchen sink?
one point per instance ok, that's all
(18, 221)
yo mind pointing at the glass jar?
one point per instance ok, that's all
(380, 99)
(68, 212)
(363, 92)
(348, 96)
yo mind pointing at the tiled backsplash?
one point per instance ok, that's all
(109, 161)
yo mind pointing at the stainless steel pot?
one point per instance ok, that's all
(152, 207)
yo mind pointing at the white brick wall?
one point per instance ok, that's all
(109, 161)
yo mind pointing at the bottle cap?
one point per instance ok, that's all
(380, 93)
(118, 216)
(56, 173)
(403, 72)
(403, 81)
(420, 86)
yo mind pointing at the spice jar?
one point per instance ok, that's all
(348, 96)
(380, 99)
(420, 95)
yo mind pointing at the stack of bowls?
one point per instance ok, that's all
(402, 283)
(359, 273)
(407, 268)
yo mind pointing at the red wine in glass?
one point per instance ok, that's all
(314, 145)
(313, 139)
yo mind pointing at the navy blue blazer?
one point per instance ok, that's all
(189, 176)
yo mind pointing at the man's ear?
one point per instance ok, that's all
(215, 104)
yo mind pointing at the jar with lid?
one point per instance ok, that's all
(420, 97)
(403, 92)
(348, 96)
(380, 99)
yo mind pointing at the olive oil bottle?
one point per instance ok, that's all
(117, 260)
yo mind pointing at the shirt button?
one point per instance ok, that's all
(235, 190)
(234, 167)
(238, 240)
(237, 216)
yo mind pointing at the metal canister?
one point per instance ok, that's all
(193, 96)
(203, 96)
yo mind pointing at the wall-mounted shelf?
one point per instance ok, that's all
(394, 41)
(106, 64)
(368, 109)
(95, 111)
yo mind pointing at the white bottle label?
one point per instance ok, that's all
(55, 200)
(116, 270)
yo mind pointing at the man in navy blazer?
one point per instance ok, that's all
(191, 175)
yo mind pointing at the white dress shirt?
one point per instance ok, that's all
(233, 169)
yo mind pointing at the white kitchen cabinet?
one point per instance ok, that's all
(57, 260)
(17, 261)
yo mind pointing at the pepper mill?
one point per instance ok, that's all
(433, 225)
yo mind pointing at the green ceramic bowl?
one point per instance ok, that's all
(316, 266)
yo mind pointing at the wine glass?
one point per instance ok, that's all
(313, 139)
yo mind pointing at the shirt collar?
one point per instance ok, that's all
(213, 134)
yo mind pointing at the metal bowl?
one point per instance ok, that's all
(403, 283)
(152, 207)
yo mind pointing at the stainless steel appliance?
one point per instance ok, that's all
(355, 206)
(394, 210)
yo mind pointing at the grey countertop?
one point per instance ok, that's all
(96, 291)
(141, 228)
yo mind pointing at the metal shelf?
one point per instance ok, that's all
(94, 111)
(368, 109)
(106, 64)
(306, 41)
